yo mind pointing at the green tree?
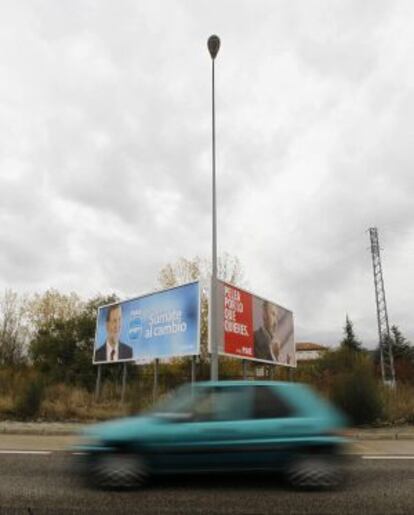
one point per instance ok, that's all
(62, 347)
(403, 354)
(348, 379)
(356, 390)
(401, 347)
(350, 341)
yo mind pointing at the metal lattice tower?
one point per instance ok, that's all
(385, 344)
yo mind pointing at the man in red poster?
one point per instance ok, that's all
(266, 343)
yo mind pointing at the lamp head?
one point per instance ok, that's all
(213, 44)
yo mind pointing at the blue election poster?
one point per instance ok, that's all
(163, 324)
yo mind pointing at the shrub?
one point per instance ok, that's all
(28, 402)
(65, 402)
(357, 392)
(398, 404)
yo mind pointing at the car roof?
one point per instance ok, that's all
(305, 399)
(245, 383)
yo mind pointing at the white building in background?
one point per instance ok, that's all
(308, 351)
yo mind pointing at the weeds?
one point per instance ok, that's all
(28, 403)
(349, 382)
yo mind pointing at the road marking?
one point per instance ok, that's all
(385, 457)
(25, 452)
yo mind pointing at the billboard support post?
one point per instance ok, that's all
(193, 369)
(214, 365)
(244, 369)
(155, 387)
(124, 379)
(98, 383)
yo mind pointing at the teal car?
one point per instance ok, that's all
(217, 427)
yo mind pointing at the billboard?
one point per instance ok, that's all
(253, 328)
(163, 324)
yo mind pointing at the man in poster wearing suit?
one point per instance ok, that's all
(266, 344)
(113, 350)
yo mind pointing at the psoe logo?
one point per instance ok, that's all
(135, 328)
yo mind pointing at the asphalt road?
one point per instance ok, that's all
(45, 484)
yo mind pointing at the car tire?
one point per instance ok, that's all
(117, 470)
(316, 473)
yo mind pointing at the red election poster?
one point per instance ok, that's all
(238, 322)
(253, 328)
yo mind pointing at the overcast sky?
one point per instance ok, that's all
(105, 149)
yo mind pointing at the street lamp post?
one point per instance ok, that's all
(213, 45)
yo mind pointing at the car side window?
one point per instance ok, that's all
(232, 403)
(222, 404)
(203, 406)
(268, 404)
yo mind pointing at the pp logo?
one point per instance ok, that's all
(135, 328)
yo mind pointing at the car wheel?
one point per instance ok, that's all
(119, 470)
(316, 472)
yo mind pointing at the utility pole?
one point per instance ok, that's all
(385, 343)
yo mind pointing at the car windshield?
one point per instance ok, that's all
(179, 403)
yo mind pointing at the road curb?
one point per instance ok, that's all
(38, 432)
(42, 429)
(72, 428)
(73, 431)
(403, 435)
(374, 436)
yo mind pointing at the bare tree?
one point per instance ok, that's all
(14, 330)
(188, 270)
(51, 306)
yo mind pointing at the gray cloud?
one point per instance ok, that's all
(105, 155)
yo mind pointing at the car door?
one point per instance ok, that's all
(213, 435)
(274, 430)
